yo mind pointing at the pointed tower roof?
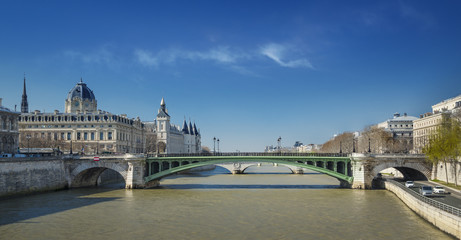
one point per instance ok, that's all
(191, 129)
(24, 102)
(163, 112)
(185, 130)
(195, 130)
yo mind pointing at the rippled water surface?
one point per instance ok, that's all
(215, 205)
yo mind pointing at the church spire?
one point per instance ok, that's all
(24, 103)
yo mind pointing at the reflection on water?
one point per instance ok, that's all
(216, 205)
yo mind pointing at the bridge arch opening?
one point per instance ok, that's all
(97, 176)
(404, 173)
(267, 168)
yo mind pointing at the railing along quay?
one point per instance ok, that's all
(432, 202)
(256, 154)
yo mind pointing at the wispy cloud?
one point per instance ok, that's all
(223, 55)
(409, 12)
(99, 56)
(279, 53)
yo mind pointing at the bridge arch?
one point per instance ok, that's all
(409, 170)
(237, 164)
(87, 174)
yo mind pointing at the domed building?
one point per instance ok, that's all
(82, 128)
(80, 99)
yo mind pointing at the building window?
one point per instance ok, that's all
(101, 136)
(69, 136)
(85, 136)
(78, 136)
(92, 136)
(109, 135)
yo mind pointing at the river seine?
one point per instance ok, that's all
(217, 205)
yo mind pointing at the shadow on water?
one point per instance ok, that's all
(21, 209)
(243, 186)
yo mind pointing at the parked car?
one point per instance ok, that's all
(425, 190)
(409, 184)
(439, 189)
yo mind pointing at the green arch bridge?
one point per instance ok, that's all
(333, 164)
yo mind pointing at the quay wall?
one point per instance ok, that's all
(30, 175)
(445, 221)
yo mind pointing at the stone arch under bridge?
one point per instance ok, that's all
(410, 170)
(86, 173)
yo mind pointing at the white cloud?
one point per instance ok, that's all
(278, 52)
(222, 55)
(146, 58)
(99, 56)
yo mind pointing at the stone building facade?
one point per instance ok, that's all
(82, 128)
(428, 122)
(9, 134)
(174, 139)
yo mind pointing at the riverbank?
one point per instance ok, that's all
(447, 220)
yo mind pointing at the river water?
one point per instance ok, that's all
(215, 205)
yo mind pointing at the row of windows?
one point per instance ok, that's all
(68, 136)
(66, 126)
(401, 125)
(71, 118)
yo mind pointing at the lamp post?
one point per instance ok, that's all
(353, 145)
(369, 145)
(218, 145)
(70, 152)
(279, 144)
(340, 147)
(214, 145)
(28, 144)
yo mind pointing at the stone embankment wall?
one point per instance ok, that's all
(441, 175)
(30, 175)
(445, 221)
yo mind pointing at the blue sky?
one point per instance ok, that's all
(246, 72)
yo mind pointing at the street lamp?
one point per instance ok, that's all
(214, 145)
(340, 147)
(28, 144)
(70, 152)
(218, 145)
(279, 143)
(353, 145)
(369, 145)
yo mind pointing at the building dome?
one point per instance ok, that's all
(81, 91)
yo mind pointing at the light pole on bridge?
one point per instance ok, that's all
(214, 145)
(279, 143)
(369, 145)
(218, 145)
(28, 144)
(340, 147)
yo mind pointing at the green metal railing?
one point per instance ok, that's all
(335, 165)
